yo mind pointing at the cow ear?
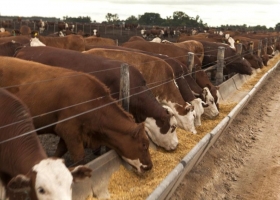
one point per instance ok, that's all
(204, 104)
(189, 108)
(19, 183)
(136, 132)
(80, 172)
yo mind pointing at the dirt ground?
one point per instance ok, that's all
(244, 163)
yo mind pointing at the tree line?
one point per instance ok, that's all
(178, 19)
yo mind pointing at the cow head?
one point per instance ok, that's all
(156, 39)
(210, 106)
(143, 33)
(254, 60)
(34, 42)
(185, 116)
(134, 149)
(49, 179)
(199, 110)
(239, 65)
(168, 140)
(270, 50)
(265, 59)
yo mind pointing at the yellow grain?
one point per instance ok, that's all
(125, 184)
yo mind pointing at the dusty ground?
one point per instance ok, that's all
(244, 163)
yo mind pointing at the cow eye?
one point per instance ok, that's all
(145, 146)
(41, 190)
(173, 128)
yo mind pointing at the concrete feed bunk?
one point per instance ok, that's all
(114, 181)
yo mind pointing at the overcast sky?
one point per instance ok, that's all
(212, 12)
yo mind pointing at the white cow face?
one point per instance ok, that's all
(60, 179)
(60, 34)
(185, 121)
(94, 32)
(34, 42)
(198, 107)
(51, 180)
(169, 140)
(156, 39)
(210, 109)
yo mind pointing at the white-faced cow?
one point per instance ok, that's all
(25, 170)
(95, 33)
(73, 42)
(142, 105)
(41, 25)
(83, 115)
(183, 86)
(163, 85)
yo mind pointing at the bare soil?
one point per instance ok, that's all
(244, 163)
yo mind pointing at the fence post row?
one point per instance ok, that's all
(124, 86)
(265, 46)
(251, 48)
(260, 48)
(220, 65)
(190, 63)
(239, 48)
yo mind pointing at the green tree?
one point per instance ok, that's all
(179, 15)
(132, 19)
(277, 27)
(150, 19)
(80, 19)
(112, 17)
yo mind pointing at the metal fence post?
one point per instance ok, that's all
(239, 48)
(124, 86)
(190, 62)
(265, 46)
(220, 65)
(260, 48)
(251, 48)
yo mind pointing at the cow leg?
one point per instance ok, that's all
(72, 140)
(61, 148)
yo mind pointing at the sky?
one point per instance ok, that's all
(212, 12)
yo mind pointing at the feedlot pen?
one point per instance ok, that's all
(112, 180)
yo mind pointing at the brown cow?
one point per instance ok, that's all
(82, 115)
(163, 85)
(142, 103)
(234, 63)
(5, 34)
(252, 59)
(22, 39)
(247, 42)
(180, 70)
(73, 42)
(152, 33)
(172, 51)
(25, 30)
(203, 81)
(9, 48)
(136, 38)
(93, 40)
(15, 32)
(25, 169)
(192, 46)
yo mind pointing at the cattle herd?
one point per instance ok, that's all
(69, 84)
